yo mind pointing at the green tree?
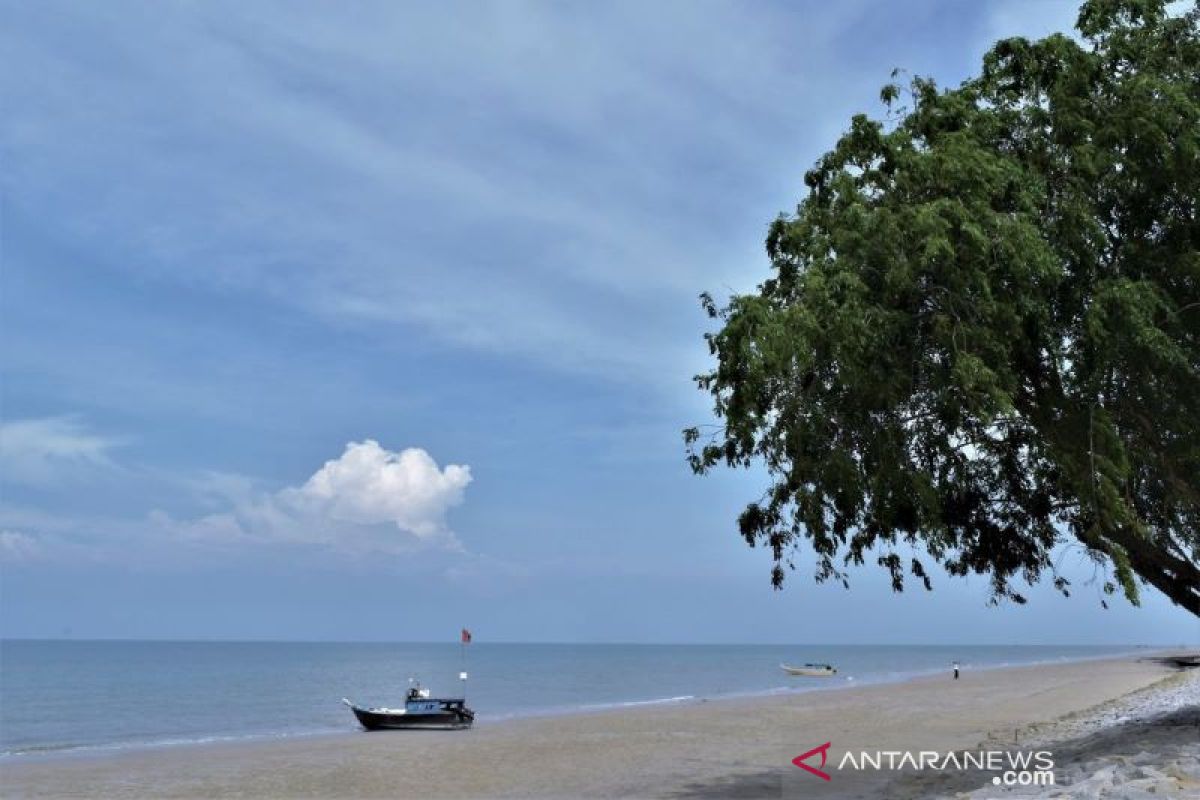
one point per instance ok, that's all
(981, 336)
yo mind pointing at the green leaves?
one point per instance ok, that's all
(981, 336)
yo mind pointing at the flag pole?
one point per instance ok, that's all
(463, 638)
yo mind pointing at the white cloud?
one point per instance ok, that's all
(369, 499)
(369, 485)
(40, 451)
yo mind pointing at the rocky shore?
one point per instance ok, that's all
(1143, 745)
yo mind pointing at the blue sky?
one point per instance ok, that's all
(373, 323)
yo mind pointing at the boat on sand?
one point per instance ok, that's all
(420, 712)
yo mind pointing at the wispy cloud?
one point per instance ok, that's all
(50, 450)
(17, 547)
(370, 173)
(551, 183)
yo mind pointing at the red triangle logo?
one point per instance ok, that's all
(823, 750)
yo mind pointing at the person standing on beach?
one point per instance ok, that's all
(955, 670)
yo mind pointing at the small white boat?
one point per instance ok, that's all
(810, 670)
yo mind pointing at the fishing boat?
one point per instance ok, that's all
(420, 712)
(810, 670)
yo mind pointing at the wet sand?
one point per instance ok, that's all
(717, 749)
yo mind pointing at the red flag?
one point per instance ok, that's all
(466, 636)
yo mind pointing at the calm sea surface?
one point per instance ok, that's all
(80, 696)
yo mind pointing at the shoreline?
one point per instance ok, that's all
(739, 747)
(849, 683)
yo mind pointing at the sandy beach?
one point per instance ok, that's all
(719, 748)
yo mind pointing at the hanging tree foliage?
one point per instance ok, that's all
(981, 335)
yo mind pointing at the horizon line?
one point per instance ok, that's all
(452, 642)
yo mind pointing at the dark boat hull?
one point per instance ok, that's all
(440, 720)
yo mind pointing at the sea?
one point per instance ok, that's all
(59, 698)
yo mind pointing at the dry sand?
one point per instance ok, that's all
(717, 749)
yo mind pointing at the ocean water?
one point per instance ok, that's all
(62, 697)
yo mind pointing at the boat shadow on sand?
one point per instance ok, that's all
(1179, 662)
